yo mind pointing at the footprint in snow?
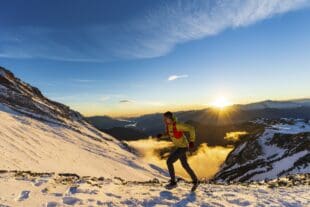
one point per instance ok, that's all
(240, 202)
(113, 195)
(57, 194)
(262, 191)
(52, 204)
(1, 205)
(24, 195)
(71, 201)
(100, 203)
(229, 195)
(168, 195)
(72, 190)
(215, 204)
(38, 183)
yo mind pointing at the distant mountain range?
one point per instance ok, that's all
(269, 104)
(208, 119)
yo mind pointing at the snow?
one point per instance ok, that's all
(297, 127)
(22, 191)
(29, 144)
(276, 152)
(270, 150)
(274, 105)
(280, 166)
(239, 148)
(4, 108)
(271, 153)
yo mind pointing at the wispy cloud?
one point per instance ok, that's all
(153, 33)
(141, 102)
(175, 77)
(125, 101)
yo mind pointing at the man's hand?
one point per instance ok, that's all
(158, 136)
(191, 146)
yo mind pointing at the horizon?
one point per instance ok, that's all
(194, 109)
(124, 59)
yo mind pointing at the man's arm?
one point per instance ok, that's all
(162, 136)
(187, 128)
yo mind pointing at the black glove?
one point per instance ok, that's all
(191, 145)
(159, 136)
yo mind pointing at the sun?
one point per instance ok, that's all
(221, 103)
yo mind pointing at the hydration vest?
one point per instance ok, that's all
(176, 134)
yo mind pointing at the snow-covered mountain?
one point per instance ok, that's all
(276, 104)
(41, 135)
(278, 148)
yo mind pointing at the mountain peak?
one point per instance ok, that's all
(4, 72)
(28, 100)
(6, 77)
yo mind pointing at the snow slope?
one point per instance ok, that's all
(40, 135)
(29, 144)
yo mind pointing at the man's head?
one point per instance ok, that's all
(168, 117)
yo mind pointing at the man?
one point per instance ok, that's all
(175, 130)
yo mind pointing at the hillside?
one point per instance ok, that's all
(281, 148)
(40, 135)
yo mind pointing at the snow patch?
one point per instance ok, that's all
(280, 166)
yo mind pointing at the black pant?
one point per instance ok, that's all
(180, 153)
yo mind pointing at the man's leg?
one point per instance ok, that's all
(186, 166)
(173, 157)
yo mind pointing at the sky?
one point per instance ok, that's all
(125, 58)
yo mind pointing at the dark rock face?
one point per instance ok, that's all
(28, 100)
(126, 134)
(283, 148)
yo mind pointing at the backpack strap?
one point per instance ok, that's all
(176, 134)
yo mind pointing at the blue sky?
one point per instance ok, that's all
(132, 57)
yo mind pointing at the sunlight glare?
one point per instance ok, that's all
(221, 103)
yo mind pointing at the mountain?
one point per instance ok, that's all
(51, 156)
(121, 129)
(40, 135)
(106, 122)
(276, 104)
(126, 133)
(281, 147)
(212, 124)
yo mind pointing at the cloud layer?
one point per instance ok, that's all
(153, 33)
(205, 162)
